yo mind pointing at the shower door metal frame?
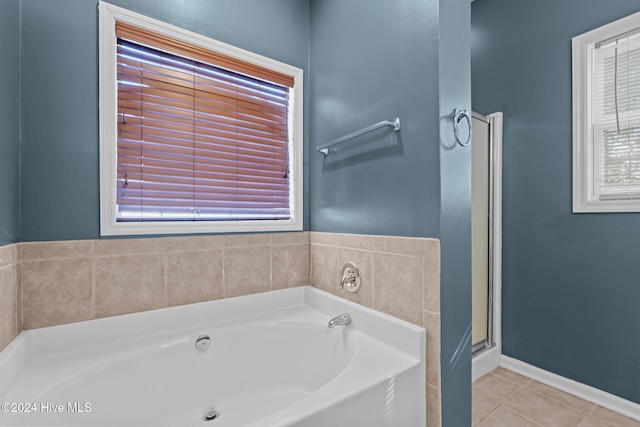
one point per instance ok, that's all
(494, 122)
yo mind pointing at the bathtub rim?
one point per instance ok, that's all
(154, 323)
(406, 337)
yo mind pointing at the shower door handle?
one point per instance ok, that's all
(458, 115)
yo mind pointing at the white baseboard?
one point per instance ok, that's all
(583, 391)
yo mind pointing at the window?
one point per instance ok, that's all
(196, 135)
(606, 118)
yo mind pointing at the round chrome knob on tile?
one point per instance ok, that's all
(350, 278)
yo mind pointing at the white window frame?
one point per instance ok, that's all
(584, 198)
(109, 14)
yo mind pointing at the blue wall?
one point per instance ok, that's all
(370, 59)
(9, 120)
(373, 60)
(571, 289)
(60, 186)
(455, 215)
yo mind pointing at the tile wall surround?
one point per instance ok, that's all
(71, 281)
(400, 276)
(9, 295)
(51, 283)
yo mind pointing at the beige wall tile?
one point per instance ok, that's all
(290, 266)
(18, 271)
(358, 241)
(247, 271)
(8, 255)
(324, 267)
(55, 292)
(119, 247)
(416, 246)
(256, 239)
(323, 238)
(54, 250)
(194, 277)
(432, 277)
(364, 261)
(542, 409)
(398, 286)
(432, 326)
(128, 284)
(293, 238)
(8, 309)
(193, 243)
(434, 418)
(181, 270)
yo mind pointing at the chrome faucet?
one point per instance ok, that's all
(342, 320)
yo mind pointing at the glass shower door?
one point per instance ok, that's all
(480, 220)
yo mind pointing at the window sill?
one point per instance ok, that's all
(606, 206)
(180, 227)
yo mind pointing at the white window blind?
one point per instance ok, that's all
(201, 137)
(616, 118)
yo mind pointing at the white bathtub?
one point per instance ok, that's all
(273, 362)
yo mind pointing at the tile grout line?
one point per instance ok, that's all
(513, 393)
(224, 275)
(337, 276)
(310, 281)
(583, 420)
(271, 266)
(501, 403)
(8, 266)
(165, 279)
(375, 251)
(521, 415)
(595, 417)
(593, 405)
(526, 385)
(592, 410)
(521, 387)
(94, 309)
(589, 414)
(374, 294)
(490, 412)
(16, 287)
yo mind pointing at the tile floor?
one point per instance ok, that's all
(505, 399)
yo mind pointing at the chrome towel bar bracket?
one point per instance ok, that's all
(458, 115)
(395, 123)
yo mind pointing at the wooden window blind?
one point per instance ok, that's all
(201, 136)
